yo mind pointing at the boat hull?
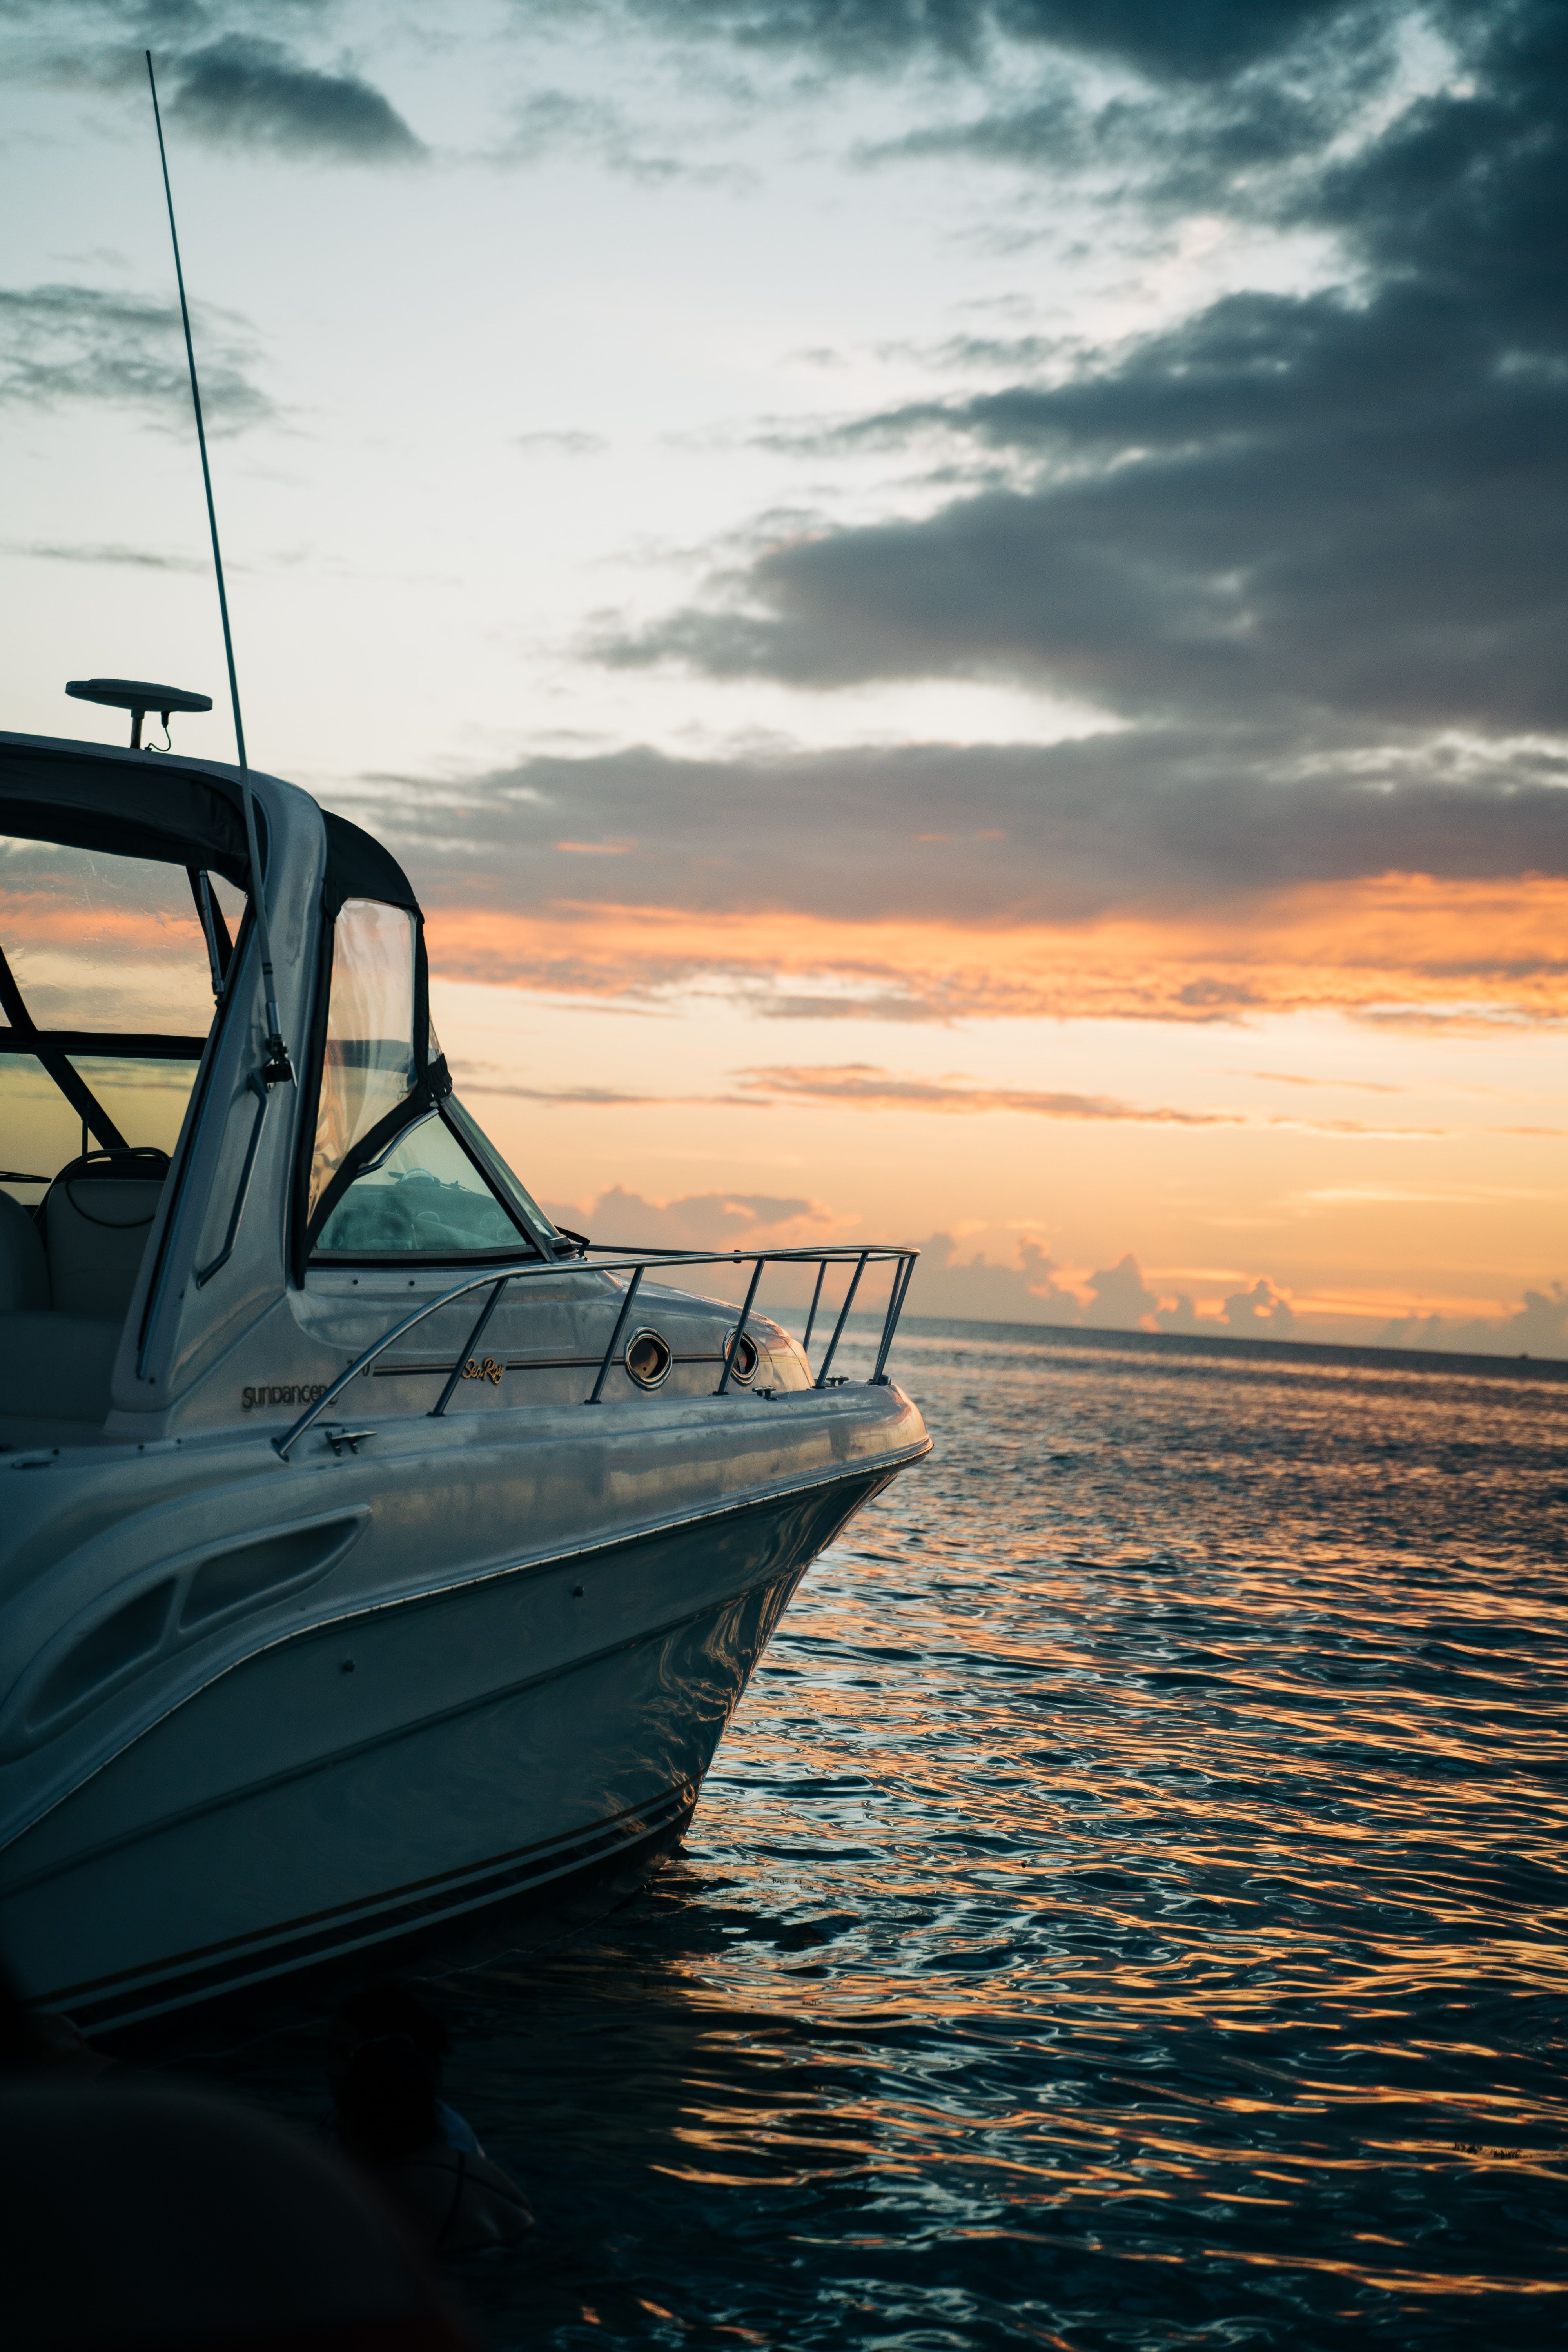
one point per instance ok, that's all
(409, 1763)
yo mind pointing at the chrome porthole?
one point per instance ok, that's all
(744, 1367)
(647, 1358)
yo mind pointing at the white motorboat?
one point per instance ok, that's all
(371, 1551)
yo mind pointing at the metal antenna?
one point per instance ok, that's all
(276, 1067)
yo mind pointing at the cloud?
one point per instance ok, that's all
(1398, 952)
(1537, 1328)
(62, 343)
(862, 1087)
(700, 1221)
(973, 1290)
(876, 1005)
(1172, 145)
(489, 1079)
(1302, 550)
(1119, 1299)
(1293, 509)
(1113, 1298)
(139, 559)
(243, 90)
(560, 444)
(883, 37)
(1033, 1288)
(1179, 873)
(1340, 1085)
(1262, 1312)
(1336, 513)
(561, 122)
(991, 835)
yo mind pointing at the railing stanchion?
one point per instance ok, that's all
(733, 1348)
(811, 1319)
(475, 1336)
(616, 1336)
(821, 1381)
(890, 1321)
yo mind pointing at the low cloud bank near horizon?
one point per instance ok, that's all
(1035, 1289)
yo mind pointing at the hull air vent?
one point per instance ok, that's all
(262, 1570)
(102, 1656)
(195, 1594)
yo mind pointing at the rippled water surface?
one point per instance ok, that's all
(1128, 1909)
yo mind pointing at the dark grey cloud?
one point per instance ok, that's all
(1221, 142)
(244, 89)
(224, 72)
(1347, 506)
(63, 342)
(878, 36)
(1140, 821)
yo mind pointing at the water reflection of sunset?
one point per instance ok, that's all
(1136, 1872)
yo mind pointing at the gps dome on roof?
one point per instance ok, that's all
(138, 696)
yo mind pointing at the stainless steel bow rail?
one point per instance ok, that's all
(859, 1258)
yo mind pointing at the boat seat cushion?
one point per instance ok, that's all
(96, 1229)
(57, 1367)
(24, 1272)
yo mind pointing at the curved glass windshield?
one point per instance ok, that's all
(424, 1197)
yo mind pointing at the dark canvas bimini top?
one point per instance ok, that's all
(177, 812)
(120, 803)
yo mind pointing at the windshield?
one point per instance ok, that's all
(425, 1197)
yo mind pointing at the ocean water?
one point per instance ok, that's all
(1129, 1908)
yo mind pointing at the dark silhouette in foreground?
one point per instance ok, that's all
(372, 2015)
(138, 2214)
(391, 2120)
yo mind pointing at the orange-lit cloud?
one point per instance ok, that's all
(861, 1086)
(864, 1086)
(57, 917)
(1398, 946)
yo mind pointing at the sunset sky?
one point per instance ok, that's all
(957, 609)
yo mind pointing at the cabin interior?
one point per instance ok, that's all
(108, 967)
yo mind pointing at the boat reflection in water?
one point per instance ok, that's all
(372, 1550)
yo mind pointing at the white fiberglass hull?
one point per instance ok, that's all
(359, 1771)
